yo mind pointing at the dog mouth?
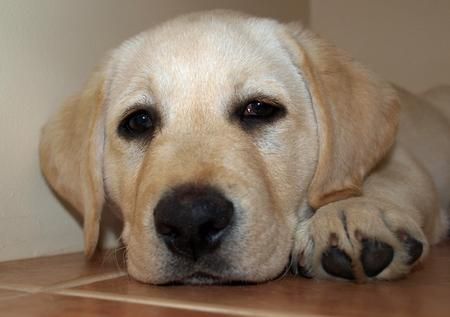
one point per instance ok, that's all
(197, 278)
(203, 278)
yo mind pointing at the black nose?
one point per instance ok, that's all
(193, 220)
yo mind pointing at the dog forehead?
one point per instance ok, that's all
(202, 56)
(209, 40)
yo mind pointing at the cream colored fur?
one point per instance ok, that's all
(350, 143)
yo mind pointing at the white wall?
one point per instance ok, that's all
(47, 50)
(406, 41)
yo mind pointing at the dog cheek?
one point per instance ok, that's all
(147, 259)
(264, 245)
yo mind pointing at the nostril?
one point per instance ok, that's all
(212, 230)
(220, 223)
(167, 230)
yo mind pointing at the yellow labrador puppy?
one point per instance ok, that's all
(237, 146)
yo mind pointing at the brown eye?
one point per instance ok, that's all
(137, 124)
(258, 113)
(257, 109)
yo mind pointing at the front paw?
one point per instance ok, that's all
(359, 239)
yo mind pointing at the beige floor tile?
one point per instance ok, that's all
(425, 293)
(35, 274)
(47, 305)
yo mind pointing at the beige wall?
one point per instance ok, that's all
(406, 41)
(47, 50)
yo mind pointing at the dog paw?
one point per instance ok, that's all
(359, 239)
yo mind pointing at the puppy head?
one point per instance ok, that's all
(213, 133)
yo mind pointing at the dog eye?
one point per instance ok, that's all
(258, 112)
(137, 124)
(257, 109)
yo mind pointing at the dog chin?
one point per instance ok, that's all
(201, 278)
(203, 273)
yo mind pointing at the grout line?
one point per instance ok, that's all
(32, 289)
(8, 297)
(82, 281)
(177, 304)
(21, 288)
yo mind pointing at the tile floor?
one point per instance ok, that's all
(67, 285)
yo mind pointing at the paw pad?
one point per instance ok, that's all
(337, 263)
(415, 249)
(375, 256)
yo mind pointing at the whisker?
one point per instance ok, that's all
(286, 271)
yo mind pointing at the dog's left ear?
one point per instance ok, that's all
(71, 155)
(357, 115)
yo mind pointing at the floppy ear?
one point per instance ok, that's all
(71, 151)
(357, 116)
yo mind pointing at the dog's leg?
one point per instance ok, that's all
(380, 235)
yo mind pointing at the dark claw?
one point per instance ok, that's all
(304, 272)
(414, 248)
(375, 256)
(337, 263)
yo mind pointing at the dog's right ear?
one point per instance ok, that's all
(71, 155)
